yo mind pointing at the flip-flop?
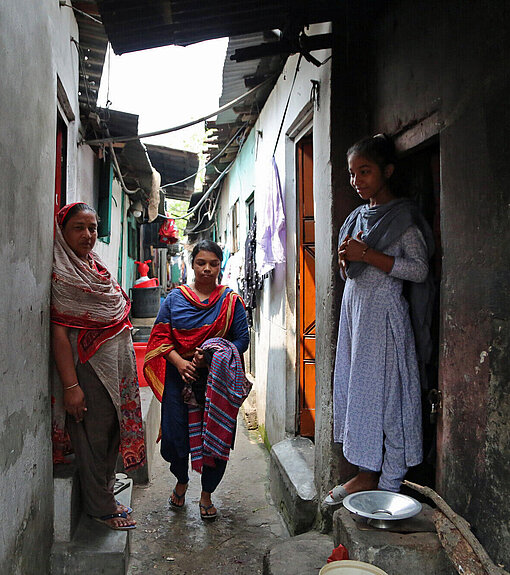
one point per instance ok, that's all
(105, 518)
(127, 509)
(336, 495)
(207, 516)
(179, 498)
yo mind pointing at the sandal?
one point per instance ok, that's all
(123, 508)
(206, 516)
(105, 518)
(336, 495)
(177, 504)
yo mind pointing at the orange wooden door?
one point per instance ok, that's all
(306, 250)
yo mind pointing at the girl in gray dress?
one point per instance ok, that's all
(377, 397)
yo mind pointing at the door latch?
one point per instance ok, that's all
(435, 400)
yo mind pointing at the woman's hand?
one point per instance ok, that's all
(186, 370)
(352, 250)
(199, 360)
(74, 402)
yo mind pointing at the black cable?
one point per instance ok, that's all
(287, 104)
(210, 161)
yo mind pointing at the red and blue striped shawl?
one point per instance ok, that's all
(211, 433)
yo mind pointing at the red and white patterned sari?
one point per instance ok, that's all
(89, 301)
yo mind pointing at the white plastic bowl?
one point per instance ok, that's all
(350, 568)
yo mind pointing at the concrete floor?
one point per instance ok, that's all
(248, 523)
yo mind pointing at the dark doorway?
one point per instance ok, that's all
(60, 166)
(420, 173)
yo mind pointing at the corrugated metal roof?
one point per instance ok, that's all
(136, 159)
(137, 25)
(235, 77)
(237, 120)
(92, 44)
(174, 165)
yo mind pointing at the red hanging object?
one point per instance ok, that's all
(168, 232)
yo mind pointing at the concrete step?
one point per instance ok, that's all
(304, 554)
(66, 501)
(66, 482)
(415, 548)
(95, 549)
(292, 483)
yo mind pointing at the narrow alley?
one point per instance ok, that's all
(324, 186)
(168, 541)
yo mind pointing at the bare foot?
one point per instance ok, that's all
(364, 481)
(120, 522)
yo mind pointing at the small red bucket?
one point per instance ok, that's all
(140, 355)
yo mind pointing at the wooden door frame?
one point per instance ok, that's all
(300, 128)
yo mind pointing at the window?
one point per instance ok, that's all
(250, 210)
(132, 247)
(250, 356)
(104, 208)
(235, 227)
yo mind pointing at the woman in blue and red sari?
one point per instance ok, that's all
(191, 315)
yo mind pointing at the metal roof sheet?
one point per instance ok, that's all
(174, 165)
(91, 45)
(137, 25)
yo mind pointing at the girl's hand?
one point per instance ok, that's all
(199, 358)
(187, 370)
(341, 253)
(353, 249)
(74, 403)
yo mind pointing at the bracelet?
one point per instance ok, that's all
(364, 252)
(71, 386)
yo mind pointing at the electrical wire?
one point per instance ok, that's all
(119, 173)
(202, 200)
(81, 57)
(182, 126)
(109, 52)
(287, 104)
(64, 5)
(210, 161)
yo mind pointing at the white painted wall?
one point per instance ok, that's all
(276, 355)
(34, 46)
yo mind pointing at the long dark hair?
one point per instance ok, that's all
(206, 246)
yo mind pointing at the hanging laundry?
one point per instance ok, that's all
(234, 271)
(271, 226)
(168, 232)
(251, 282)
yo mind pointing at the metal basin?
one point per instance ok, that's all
(382, 505)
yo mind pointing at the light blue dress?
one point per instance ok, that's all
(377, 397)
